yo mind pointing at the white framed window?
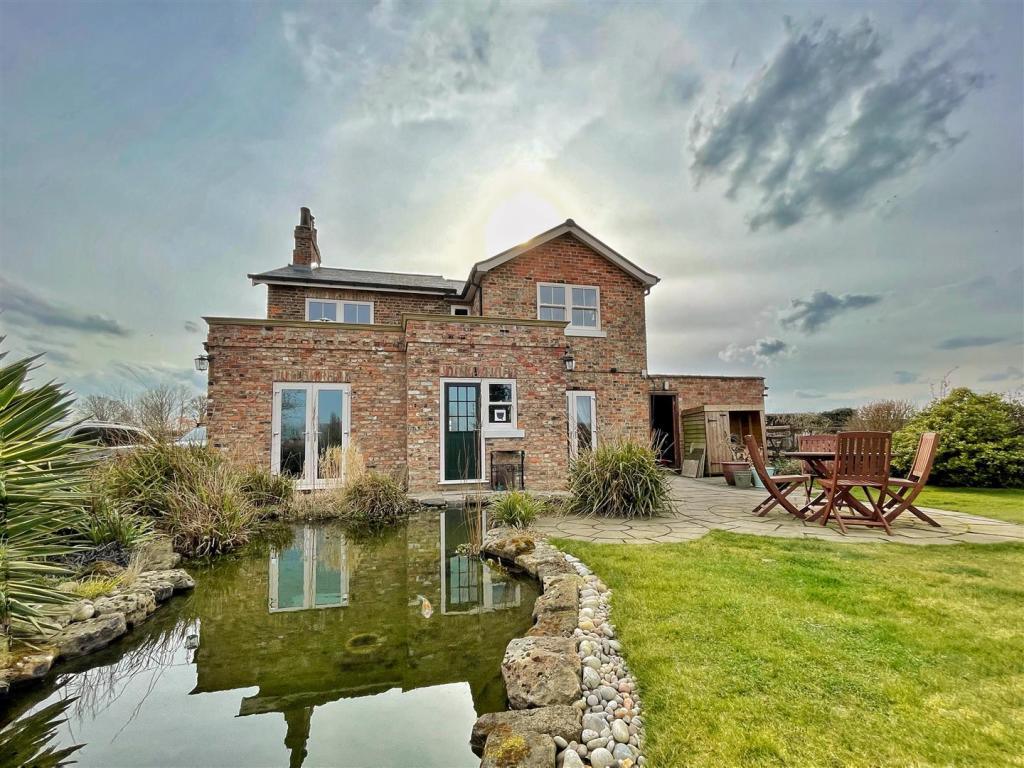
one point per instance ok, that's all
(582, 413)
(500, 416)
(579, 304)
(460, 310)
(333, 311)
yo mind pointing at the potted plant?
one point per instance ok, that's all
(741, 460)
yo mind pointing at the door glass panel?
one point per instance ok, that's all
(291, 573)
(462, 432)
(329, 433)
(293, 432)
(331, 569)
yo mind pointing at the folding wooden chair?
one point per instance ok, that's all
(902, 492)
(862, 461)
(778, 486)
(816, 443)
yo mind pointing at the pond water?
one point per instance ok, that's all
(317, 649)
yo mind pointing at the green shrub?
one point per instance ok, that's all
(140, 479)
(107, 522)
(517, 509)
(620, 478)
(208, 513)
(264, 489)
(981, 440)
(374, 499)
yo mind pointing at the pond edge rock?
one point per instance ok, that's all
(90, 625)
(567, 680)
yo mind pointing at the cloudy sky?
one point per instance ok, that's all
(833, 194)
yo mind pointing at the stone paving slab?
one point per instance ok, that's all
(709, 504)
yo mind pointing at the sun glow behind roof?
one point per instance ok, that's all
(523, 206)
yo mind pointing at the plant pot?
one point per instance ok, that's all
(744, 477)
(772, 471)
(729, 467)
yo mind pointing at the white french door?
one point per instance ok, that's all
(310, 432)
(582, 412)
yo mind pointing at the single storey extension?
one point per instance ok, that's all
(494, 381)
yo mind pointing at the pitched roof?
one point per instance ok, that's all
(568, 227)
(359, 278)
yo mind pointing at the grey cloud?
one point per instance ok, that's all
(56, 356)
(967, 342)
(1011, 373)
(760, 352)
(811, 314)
(823, 126)
(905, 377)
(808, 394)
(191, 326)
(34, 309)
(149, 375)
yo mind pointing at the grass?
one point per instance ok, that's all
(998, 503)
(764, 652)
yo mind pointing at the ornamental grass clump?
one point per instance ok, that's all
(620, 478)
(264, 489)
(208, 513)
(375, 500)
(517, 509)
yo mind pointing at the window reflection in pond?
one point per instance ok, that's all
(468, 584)
(312, 572)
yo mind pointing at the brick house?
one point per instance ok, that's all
(497, 379)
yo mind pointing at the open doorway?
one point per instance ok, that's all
(665, 428)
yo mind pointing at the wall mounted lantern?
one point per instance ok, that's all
(202, 362)
(569, 359)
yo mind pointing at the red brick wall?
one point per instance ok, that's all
(246, 360)
(511, 291)
(288, 302)
(713, 390)
(531, 354)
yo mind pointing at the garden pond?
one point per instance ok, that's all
(312, 647)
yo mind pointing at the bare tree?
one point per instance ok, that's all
(195, 409)
(883, 416)
(116, 408)
(161, 410)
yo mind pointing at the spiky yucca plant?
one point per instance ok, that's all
(41, 479)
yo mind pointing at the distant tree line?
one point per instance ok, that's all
(166, 411)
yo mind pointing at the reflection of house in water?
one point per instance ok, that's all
(469, 585)
(344, 621)
(311, 573)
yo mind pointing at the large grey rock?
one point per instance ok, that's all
(562, 720)
(135, 605)
(25, 668)
(508, 748)
(87, 636)
(601, 758)
(176, 577)
(541, 671)
(561, 593)
(158, 554)
(507, 544)
(572, 759)
(554, 624)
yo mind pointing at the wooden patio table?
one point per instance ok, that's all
(818, 461)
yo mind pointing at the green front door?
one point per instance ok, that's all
(461, 431)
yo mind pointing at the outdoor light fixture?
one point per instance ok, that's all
(202, 362)
(569, 359)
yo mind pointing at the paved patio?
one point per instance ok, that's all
(709, 505)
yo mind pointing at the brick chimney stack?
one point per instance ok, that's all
(307, 252)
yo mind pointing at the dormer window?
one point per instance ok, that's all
(580, 305)
(330, 311)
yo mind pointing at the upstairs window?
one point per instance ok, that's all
(329, 311)
(579, 304)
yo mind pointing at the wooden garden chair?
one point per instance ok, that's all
(862, 461)
(902, 492)
(778, 486)
(816, 443)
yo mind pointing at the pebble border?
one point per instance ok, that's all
(613, 729)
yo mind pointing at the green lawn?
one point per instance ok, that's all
(758, 651)
(1000, 503)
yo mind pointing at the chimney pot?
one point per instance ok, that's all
(307, 253)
